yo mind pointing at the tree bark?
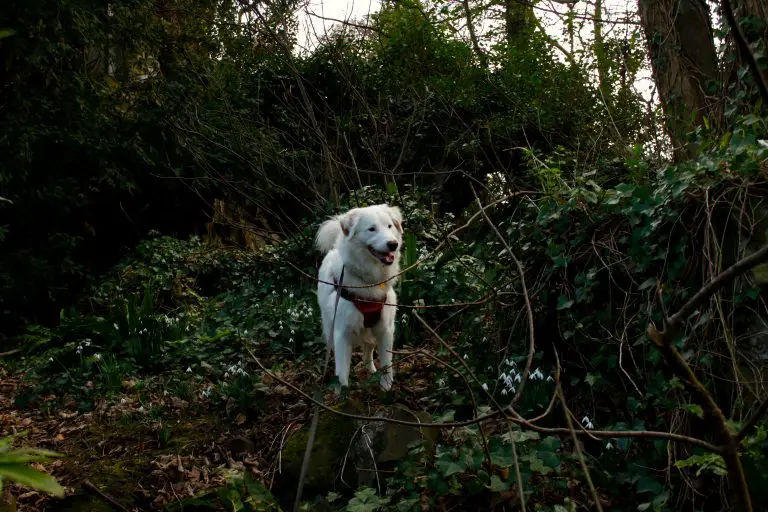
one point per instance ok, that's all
(518, 21)
(683, 59)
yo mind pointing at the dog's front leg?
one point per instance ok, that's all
(386, 338)
(342, 349)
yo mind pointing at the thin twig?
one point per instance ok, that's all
(746, 429)
(88, 486)
(515, 418)
(579, 453)
(526, 297)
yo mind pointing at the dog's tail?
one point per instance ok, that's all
(327, 235)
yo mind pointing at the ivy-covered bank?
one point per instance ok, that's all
(157, 365)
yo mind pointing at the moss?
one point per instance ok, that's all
(332, 440)
(138, 442)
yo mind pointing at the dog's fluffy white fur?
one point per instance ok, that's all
(366, 242)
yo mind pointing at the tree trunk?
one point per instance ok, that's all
(518, 21)
(682, 51)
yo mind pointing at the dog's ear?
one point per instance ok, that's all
(348, 222)
(397, 217)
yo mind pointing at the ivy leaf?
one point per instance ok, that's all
(564, 303)
(694, 409)
(498, 485)
(650, 485)
(449, 467)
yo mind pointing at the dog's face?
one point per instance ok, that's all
(378, 228)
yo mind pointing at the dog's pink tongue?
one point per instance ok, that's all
(390, 257)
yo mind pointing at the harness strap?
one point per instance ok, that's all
(370, 308)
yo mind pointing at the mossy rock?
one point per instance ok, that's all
(332, 441)
(386, 443)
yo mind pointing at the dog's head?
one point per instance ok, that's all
(378, 228)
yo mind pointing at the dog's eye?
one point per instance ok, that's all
(390, 226)
(372, 228)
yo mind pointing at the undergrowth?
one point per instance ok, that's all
(594, 253)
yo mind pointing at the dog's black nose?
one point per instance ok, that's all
(392, 245)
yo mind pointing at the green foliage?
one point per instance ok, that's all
(243, 493)
(14, 467)
(366, 500)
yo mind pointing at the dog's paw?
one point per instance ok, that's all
(386, 382)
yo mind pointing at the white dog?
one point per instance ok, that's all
(365, 244)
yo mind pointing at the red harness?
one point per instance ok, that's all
(370, 308)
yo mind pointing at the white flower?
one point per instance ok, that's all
(79, 349)
(87, 342)
(537, 375)
(50, 359)
(466, 357)
(189, 369)
(97, 357)
(517, 378)
(504, 391)
(485, 387)
(549, 378)
(116, 327)
(290, 295)
(587, 423)
(293, 332)
(608, 446)
(226, 375)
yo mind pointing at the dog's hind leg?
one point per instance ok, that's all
(368, 346)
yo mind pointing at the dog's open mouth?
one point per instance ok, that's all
(386, 258)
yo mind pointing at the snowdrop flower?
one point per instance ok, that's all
(485, 387)
(549, 378)
(87, 342)
(517, 377)
(608, 446)
(290, 295)
(189, 369)
(537, 375)
(79, 349)
(587, 423)
(115, 326)
(466, 357)
(293, 332)
(504, 391)
(50, 359)
(97, 357)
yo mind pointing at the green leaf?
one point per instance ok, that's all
(564, 303)
(6, 32)
(449, 467)
(694, 409)
(650, 485)
(498, 485)
(29, 477)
